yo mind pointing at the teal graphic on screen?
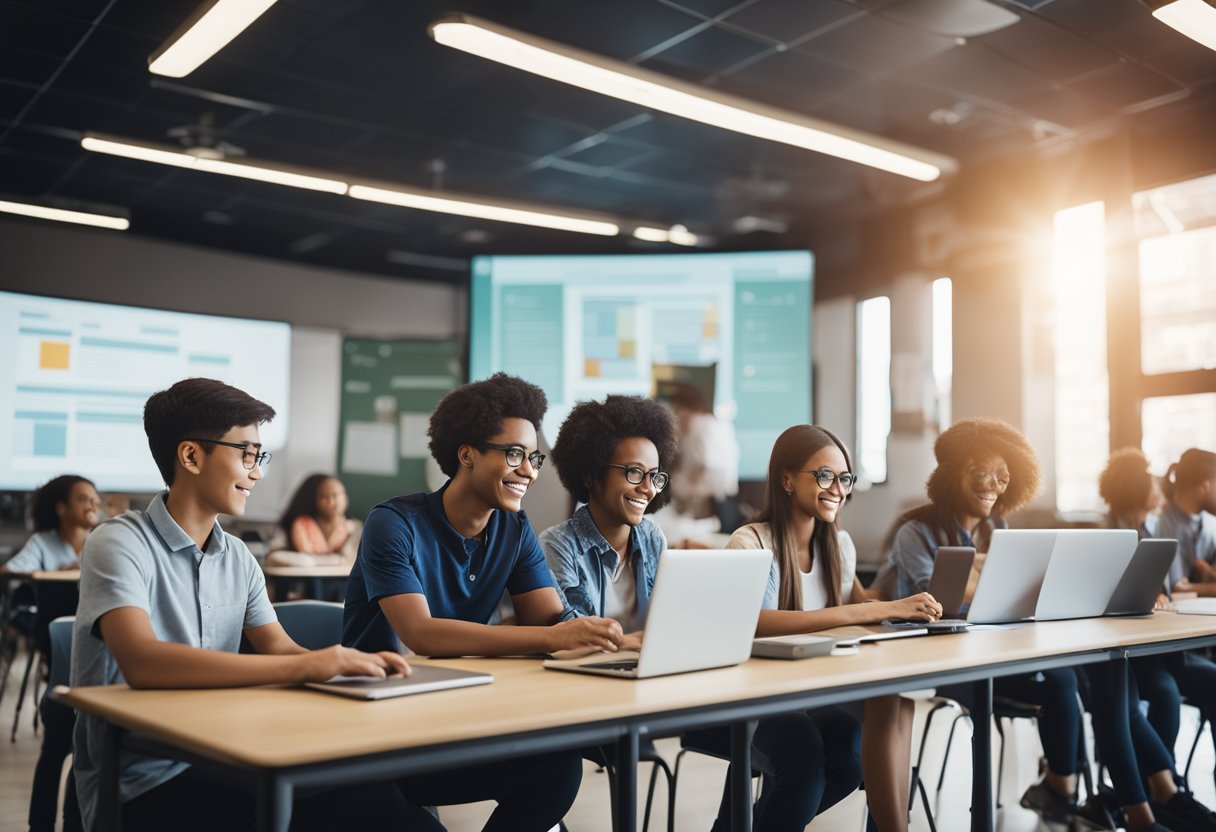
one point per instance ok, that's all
(738, 325)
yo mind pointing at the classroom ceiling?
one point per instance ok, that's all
(358, 88)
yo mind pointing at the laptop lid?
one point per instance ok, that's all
(951, 569)
(704, 609)
(1011, 576)
(1085, 568)
(1144, 578)
(423, 679)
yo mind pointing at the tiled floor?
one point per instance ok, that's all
(700, 782)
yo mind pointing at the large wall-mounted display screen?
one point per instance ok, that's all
(735, 325)
(76, 374)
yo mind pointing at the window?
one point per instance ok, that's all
(1171, 424)
(1177, 227)
(873, 387)
(943, 348)
(1082, 412)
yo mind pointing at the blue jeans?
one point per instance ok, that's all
(1127, 744)
(1163, 681)
(811, 760)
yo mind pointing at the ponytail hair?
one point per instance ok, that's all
(1193, 467)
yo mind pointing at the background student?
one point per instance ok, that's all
(165, 597)
(316, 528)
(1131, 493)
(812, 586)
(1190, 502)
(64, 511)
(432, 567)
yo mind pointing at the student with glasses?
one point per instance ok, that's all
(812, 586)
(432, 568)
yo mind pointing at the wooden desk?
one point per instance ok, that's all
(529, 710)
(59, 576)
(307, 571)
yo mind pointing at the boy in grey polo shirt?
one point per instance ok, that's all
(165, 596)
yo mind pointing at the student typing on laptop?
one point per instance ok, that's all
(611, 456)
(433, 566)
(812, 586)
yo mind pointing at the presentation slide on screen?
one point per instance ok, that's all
(582, 327)
(76, 376)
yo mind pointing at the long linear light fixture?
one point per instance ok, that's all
(44, 212)
(391, 194)
(617, 79)
(212, 27)
(1194, 18)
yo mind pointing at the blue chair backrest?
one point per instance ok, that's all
(61, 650)
(311, 624)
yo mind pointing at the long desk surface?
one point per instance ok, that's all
(262, 729)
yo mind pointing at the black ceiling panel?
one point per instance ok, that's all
(785, 23)
(874, 45)
(710, 51)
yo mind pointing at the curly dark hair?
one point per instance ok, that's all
(196, 407)
(45, 500)
(1125, 483)
(956, 448)
(473, 412)
(304, 501)
(589, 436)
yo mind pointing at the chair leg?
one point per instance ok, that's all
(918, 785)
(924, 735)
(25, 681)
(941, 777)
(659, 764)
(1203, 721)
(1000, 760)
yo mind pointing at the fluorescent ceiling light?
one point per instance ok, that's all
(651, 235)
(209, 29)
(461, 204)
(1194, 18)
(659, 92)
(474, 207)
(168, 156)
(676, 235)
(44, 213)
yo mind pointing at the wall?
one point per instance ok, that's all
(321, 304)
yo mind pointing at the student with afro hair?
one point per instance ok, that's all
(612, 456)
(1130, 492)
(432, 567)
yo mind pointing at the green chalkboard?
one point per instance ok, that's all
(389, 389)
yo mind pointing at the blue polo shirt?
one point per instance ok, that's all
(409, 547)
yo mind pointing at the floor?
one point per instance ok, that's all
(700, 783)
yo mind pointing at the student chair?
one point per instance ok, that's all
(690, 744)
(1190, 757)
(52, 600)
(59, 633)
(647, 753)
(311, 624)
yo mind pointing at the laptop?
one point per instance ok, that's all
(703, 614)
(424, 679)
(1085, 568)
(948, 584)
(1013, 571)
(1144, 578)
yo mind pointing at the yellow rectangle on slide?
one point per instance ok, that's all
(53, 355)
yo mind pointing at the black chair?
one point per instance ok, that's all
(53, 599)
(647, 753)
(311, 624)
(57, 737)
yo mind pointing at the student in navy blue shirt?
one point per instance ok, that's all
(433, 566)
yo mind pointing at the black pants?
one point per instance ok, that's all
(57, 723)
(1165, 679)
(810, 760)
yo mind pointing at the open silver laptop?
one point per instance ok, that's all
(1085, 568)
(1013, 572)
(703, 614)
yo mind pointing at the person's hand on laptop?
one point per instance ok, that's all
(320, 665)
(919, 607)
(632, 641)
(586, 631)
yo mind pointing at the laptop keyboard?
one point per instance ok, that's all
(625, 665)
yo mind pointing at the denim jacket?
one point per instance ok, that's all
(579, 556)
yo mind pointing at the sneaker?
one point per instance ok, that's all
(1048, 804)
(1094, 815)
(1184, 813)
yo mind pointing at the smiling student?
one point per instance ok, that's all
(1190, 493)
(65, 510)
(812, 586)
(165, 597)
(433, 566)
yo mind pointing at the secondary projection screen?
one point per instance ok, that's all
(76, 375)
(582, 327)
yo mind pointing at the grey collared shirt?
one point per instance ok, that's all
(1196, 536)
(583, 563)
(43, 552)
(204, 599)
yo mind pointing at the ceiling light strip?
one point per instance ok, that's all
(44, 212)
(1193, 18)
(659, 92)
(209, 29)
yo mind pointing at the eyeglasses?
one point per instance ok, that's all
(825, 477)
(634, 475)
(251, 456)
(990, 479)
(516, 454)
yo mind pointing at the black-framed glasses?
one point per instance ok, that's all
(826, 476)
(516, 454)
(990, 479)
(634, 475)
(250, 456)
